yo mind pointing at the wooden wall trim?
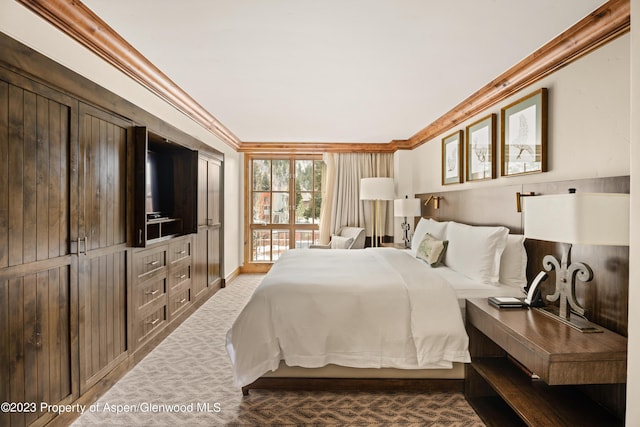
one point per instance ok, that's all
(76, 20)
(599, 27)
(315, 148)
(80, 23)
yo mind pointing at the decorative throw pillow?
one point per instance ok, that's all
(432, 250)
(339, 242)
(435, 228)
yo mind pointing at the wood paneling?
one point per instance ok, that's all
(36, 291)
(606, 297)
(65, 260)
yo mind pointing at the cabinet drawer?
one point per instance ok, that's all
(151, 320)
(149, 261)
(180, 299)
(179, 274)
(179, 250)
(150, 291)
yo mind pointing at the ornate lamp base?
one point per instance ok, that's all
(405, 227)
(566, 275)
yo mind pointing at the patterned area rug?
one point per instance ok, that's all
(187, 380)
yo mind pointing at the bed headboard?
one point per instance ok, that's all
(606, 296)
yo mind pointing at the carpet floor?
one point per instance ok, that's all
(187, 380)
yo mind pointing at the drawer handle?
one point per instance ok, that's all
(181, 252)
(154, 322)
(182, 276)
(155, 291)
(156, 262)
(182, 301)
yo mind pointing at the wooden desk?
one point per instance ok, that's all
(531, 362)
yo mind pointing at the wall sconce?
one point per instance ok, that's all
(436, 201)
(519, 197)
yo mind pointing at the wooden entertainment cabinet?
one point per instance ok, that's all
(526, 368)
(89, 282)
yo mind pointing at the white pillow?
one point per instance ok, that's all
(513, 264)
(340, 242)
(475, 251)
(435, 228)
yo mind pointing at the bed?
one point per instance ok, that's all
(377, 315)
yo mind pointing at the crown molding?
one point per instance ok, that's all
(599, 27)
(76, 20)
(315, 147)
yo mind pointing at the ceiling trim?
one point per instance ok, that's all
(316, 147)
(599, 27)
(79, 22)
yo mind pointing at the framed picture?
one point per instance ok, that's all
(524, 135)
(452, 158)
(480, 149)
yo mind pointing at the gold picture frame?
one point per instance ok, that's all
(480, 149)
(452, 158)
(523, 126)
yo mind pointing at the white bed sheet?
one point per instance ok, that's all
(411, 319)
(469, 288)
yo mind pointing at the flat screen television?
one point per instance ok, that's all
(159, 188)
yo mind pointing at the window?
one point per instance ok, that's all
(285, 196)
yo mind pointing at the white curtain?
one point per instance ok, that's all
(341, 204)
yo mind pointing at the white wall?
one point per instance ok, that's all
(588, 126)
(633, 364)
(24, 26)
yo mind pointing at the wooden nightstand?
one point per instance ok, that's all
(531, 362)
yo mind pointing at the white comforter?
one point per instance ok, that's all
(371, 308)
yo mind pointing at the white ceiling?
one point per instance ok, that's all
(335, 70)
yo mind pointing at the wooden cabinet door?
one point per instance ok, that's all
(102, 242)
(207, 256)
(37, 317)
(214, 210)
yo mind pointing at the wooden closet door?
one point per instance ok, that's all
(207, 258)
(102, 243)
(38, 325)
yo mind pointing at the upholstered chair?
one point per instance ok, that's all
(346, 238)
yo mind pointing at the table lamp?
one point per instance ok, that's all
(406, 208)
(575, 219)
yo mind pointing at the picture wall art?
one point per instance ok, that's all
(480, 149)
(524, 135)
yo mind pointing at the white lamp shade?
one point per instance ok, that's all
(579, 218)
(406, 207)
(377, 189)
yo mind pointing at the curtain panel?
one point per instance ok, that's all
(341, 204)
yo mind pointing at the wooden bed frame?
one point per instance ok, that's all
(605, 297)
